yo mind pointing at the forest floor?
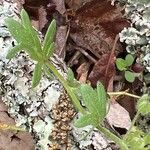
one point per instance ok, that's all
(87, 41)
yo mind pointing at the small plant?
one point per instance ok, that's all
(125, 66)
(95, 100)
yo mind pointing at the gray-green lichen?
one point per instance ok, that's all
(137, 36)
(30, 108)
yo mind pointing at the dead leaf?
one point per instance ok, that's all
(82, 72)
(76, 4)
(103, 71)
(60, 43)
(60, 6)
(96, 25)
(11, 140)
(118, 116)
(39, 11)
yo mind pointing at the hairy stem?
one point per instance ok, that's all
(132, 124)
(77, 104)
(113, 137)
(67, 88)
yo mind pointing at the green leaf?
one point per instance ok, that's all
(23, 36)
(143, 105)
(102, 100)
(147, 139)
(31, 52)
(72, 82)
(70, 75)
(129, 76)
(37, 74)
(14, 51)
(89, 96)
(50, 50)
(48, 72)
(49, 37)
(84, 121)
(147, 78)
(129, 60)
(121, 64)
(136, 139)
(27, 25)
(18, 32)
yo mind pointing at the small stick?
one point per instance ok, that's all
(123, 93)
(86, 54)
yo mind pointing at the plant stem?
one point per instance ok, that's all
(132, 124)
(113, 137)
(67, 88)
(123, 93)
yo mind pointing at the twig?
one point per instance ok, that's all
(123, 93)
(86, 54)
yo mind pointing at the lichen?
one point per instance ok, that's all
(29, 107)
(137, 36)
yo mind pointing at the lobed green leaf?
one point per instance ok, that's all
(143, 105)
(84, 120)
(37, 74)
(89, 96)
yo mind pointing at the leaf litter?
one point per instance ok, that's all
(91, 30)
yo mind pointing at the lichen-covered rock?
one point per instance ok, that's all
(32, 108)
(137, 37)
(29, 107)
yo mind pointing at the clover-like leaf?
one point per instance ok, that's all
(121, 64)
(37, 74)
(49, 37)
(129, 59)
(129, 76)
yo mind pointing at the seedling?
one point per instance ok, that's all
(125, 66)
(95, 100)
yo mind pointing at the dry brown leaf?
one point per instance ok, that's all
(103, 71)
(60, 43)
(11, 140)
(96, 25)
(118, 116)
(82, 72)
(76, 4)
(60, 6)
(39, 11)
